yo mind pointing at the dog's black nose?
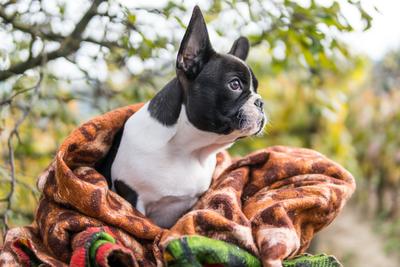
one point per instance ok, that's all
(259, 103)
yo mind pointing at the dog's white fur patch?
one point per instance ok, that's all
(159, 161)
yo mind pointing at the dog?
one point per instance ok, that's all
(164, 157)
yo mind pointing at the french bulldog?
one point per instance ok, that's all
(164, 157)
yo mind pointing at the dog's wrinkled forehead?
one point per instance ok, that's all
(228, 67)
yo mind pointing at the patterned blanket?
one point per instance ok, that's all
(268, 205)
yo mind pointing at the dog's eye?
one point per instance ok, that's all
(235, 85)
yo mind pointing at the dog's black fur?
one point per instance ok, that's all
(202, 83)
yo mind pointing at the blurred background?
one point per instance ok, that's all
(329, 72)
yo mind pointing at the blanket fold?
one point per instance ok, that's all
(269, 203)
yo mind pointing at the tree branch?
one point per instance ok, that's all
(69, 45)
(34, 31)
(14, 132)
(10, 99)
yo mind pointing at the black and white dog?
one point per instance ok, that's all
(166, 155)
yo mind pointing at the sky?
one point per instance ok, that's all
(384, 35)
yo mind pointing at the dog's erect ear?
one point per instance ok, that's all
(240, 48)
(195, 49)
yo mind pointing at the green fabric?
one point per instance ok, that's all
(196, 251)
(97, 240)
(307, 260)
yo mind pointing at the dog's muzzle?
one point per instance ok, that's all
(251, 117)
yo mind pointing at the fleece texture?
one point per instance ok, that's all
(269, 204)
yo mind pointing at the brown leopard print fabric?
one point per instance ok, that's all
(270, 202)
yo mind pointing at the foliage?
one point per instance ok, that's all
(374, 122)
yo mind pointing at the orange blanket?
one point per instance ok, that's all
(269, 203)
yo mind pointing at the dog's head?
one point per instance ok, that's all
(220, 90)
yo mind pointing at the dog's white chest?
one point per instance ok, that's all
(160, 173)
(168, 167)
